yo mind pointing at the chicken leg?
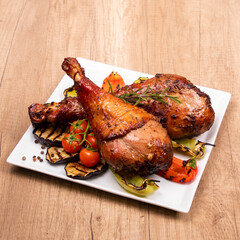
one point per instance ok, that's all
(130, 139)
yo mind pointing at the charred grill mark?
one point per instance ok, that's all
(41, 131)
(58, 153)
(63, 130)
(182, 180)
(76, 170)
(81, 170)
(184, 163)
(51, 133)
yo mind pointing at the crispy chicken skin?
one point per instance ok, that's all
(67, 110)
(130, 139)
(192, 117)
(109, 115)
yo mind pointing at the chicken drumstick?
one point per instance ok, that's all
(130, 139)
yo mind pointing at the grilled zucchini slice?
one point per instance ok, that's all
(59, 155)
(78, 171)
(51, 135)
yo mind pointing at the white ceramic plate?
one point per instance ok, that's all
(170, 195)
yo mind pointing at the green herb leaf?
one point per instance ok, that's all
(134, 97)
(110, 87)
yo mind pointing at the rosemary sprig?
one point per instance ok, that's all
(110, 87)
(135, 97)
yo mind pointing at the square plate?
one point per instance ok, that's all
(170, 195)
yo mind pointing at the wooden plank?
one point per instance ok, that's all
(219, 41)
(8, 26)
(196, 39)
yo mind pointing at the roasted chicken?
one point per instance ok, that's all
(192, 117)
(129, 139)
(67, 110)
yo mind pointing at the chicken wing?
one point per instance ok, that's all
(67, 110)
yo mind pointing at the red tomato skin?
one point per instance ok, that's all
(92, 140)
(89, 158)
(74, 146)
(81, 128)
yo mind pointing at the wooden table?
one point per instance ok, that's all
(196, 39)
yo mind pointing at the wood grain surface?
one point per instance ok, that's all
(198, 39)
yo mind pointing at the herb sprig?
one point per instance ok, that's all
(135, 97)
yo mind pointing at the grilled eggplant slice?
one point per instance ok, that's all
(78, 171)
(59, 155)
(51, 135)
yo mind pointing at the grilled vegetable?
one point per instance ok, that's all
(113, 82)
(89, 158)
(59, 155)
(78, 171)
(189, 143)
(180, 171)
(72, 143)
(141, 80)
(78, 126)
(70, 92)
(200, 148)
(91, 141)
(51, 135)
(136, 184)
(191, 147)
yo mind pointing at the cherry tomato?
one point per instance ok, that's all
(91, 141)
(115, 80)
(89, 158)
(78, 126)
(179, 172)
(71, 143)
